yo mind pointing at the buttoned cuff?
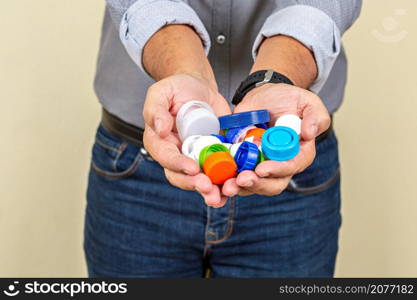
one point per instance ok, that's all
(144, 18)
(310, 26)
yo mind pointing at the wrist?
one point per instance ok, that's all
(205, 75)
(289, 57)
(177, 49)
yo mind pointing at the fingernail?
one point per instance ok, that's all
(263, 175)
(232, 194)
(158, 125)
(248, 183)
(189, 171)
(186, 171)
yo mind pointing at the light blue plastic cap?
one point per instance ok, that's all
(280, 143)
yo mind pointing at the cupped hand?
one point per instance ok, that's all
(272, 177)
(163, 100)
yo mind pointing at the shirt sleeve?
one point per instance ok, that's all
(318, 24)
(139, 20)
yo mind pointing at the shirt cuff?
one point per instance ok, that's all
(144, 18)
(310, 26)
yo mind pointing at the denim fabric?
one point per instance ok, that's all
(138, 225)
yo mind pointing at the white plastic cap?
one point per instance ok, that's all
(250, 139)
(291, 121)
(188, 146)
(255, 140)
(202, 142)
(241, 135)
(196, 118)
(227, 145)
(233, 149)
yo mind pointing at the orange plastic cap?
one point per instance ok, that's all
(219, 167)
(256, 132)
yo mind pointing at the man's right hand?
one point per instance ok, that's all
(163, 100)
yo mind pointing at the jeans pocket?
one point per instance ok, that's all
(323, 173)
(113, 157)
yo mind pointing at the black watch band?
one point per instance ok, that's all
(256, 79)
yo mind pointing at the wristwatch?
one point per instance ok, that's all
(256, 79)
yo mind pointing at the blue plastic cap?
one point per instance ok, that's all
(280, 143)
(232, 133)
(222, 138)
(262, 125)
(244, 119)
(246, 156)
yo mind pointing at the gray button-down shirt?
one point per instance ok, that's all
(231, 31)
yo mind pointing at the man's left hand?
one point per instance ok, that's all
(272, 177)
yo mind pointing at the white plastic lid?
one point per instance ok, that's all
(241, 136)
(202, 142)
(233, 149)
(227, 145)
(291, 121)
(250, 139)
(188, 146)
(196, 118)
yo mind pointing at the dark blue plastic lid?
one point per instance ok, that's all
(232, 133)
(222, 138)
(280, 143)
(246, 156)
(262, 125)
(244, 119)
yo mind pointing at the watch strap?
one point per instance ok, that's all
(256, 79)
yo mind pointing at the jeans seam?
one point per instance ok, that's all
(207, 246)
(121, 148)
(230, 223)
(292, 187)
(129, 171)
(107, 146)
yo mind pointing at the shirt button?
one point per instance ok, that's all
(220, 39)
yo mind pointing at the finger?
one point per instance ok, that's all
(220, 106)
(166, 153)
(214, 197)
(269, 186)
(223, 201)
(230, 188)
(315, 117)
(156, 110)
(277, 169)
(200, 183)
(246, 179)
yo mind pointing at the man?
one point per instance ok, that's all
(151, 213)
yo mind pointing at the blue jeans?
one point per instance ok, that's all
(138, 225)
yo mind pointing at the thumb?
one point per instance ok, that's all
(163, 123)
(156, 111)
(244, 106)
(316, 120)
(221, 107)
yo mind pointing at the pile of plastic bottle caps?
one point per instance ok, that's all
(228, 145)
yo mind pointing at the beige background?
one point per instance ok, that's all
(49, 113)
